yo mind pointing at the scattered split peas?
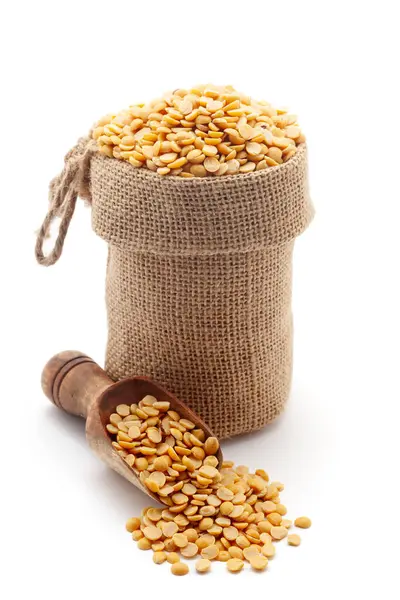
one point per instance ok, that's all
(211, 511)
(206, 131)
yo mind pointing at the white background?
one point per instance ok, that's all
(337, 445)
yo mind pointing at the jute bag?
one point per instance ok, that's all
(199, 273)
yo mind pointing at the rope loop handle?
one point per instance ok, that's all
(63, 193)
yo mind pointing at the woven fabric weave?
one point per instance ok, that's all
(199, 284)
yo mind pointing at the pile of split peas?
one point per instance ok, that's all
(212, 511)
(205, 131)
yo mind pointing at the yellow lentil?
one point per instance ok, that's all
(251, 551)
(303, 522)
(235, 552)
(179, 568)
(223, 556)
(230, 533)
(144, 544)
(259, 562)
(180, 540)
(235, 565)
(268, 550)
(173, 557)
(211, 446)
(152, 532)
(274, 518)
(210, 552)
(189, 550)
(159, 557)
(278, 533)
(158, 546)
(294, 539)
(203, 565)
(132, 524)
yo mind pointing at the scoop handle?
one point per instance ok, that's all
(72, 381)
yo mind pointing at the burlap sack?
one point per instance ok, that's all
(199, 282)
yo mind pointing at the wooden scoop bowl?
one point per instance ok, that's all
(75, 383)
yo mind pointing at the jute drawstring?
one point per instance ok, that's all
(63, 193)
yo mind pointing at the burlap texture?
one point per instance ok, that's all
(199, 284)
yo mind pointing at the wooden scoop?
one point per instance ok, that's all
(75, 383)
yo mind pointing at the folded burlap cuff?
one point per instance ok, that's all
(140, 210)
